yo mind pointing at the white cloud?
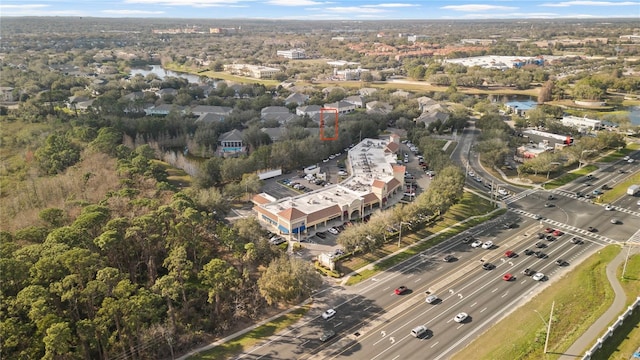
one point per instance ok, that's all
(293, 2)
(24, 7)
(194, 3)
(353, 9)
(591, 3)
(392, 5)
(478, 7)
(132, 12)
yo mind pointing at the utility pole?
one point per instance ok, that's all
(546, 341)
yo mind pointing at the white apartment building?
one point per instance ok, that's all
(292, 54)
(582, 123)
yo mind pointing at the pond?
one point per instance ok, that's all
(634, 115)
(163, 73)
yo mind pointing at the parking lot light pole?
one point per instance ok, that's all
(400, 233)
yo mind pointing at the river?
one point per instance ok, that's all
(162, 73)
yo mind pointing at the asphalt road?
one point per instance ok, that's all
(384, 320)
(374, 323)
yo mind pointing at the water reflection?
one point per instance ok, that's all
(162, 73)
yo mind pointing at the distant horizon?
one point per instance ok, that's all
(309, 10)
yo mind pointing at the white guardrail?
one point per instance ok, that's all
(611, 329)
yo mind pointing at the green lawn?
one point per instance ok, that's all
(580, 298)
(626, 339)
(569, 177)
(618, 190)
(233, 347)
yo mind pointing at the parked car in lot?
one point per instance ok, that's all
(576, 240)
(550, 238)
(541, 245)
(333, 231)
(328, 314)
(616, 221)
(558, 233)
(549, 230)
(591, 229)
(540, 255)
(528, 252)
(321, 235)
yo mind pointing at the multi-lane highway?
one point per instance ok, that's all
(372, 322)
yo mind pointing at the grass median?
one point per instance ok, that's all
(581, 296)
(471, 205)
(569, 177)
(233, 347)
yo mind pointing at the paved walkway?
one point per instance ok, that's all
(584, 342)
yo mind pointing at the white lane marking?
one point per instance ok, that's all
(434, 344)
(418, 280)
(367, 308)
(410, 275)
(483, 309)
(474, 304)
(494, 290)
(395, 357)
(387, 288)
(459, 326)
(505, 294)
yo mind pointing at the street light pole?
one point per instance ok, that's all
(400, 232)
(546, 340)
(624, 268)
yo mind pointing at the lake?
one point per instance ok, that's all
(162, 73)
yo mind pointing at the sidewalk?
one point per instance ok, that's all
(584, 342)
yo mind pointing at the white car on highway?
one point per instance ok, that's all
(538, 276)
(431, 299)
(609, 207)
(460, 317)
(487, 245)
(476, 244)
(328, 314)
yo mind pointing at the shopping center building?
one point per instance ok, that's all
(376, 181)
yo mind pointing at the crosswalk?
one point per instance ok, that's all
(513, 198)
(573, 195)
(567, 228)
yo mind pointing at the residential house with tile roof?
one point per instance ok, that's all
(296, 98)
(379, 107)
(343, 107)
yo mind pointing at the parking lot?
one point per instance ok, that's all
(416, 181)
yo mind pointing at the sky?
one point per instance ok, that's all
(325, 10)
